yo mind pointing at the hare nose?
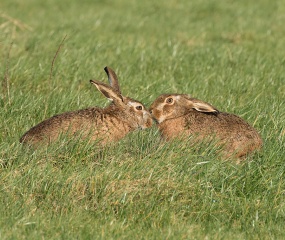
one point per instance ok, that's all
(150, 111)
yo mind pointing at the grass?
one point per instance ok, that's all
(228, 53)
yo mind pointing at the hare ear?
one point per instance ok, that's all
(108, 92)
(204, 107)
(113, 79)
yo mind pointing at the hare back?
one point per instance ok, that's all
(220, 123)
(92, 123)
(230, 130)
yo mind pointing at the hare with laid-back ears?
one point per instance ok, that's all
(104, 125)
(179, 115)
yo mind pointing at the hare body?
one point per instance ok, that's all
(104, 125)
(180, 116)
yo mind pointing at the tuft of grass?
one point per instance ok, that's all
(230, 54)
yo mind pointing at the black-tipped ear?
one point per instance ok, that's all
(113, 79)
(108, 92)
(204, 107)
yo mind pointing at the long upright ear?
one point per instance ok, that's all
(204, 107)
(113, 79)
(108, 92)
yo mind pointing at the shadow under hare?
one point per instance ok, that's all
(179, 115)
(104, 125)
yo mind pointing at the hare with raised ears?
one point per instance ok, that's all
(104, 125)
(180, 115)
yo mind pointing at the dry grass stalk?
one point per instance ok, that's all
(55, 56)
(15, 22)
(5, 83)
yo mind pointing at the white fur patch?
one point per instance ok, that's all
(161, 119)
(132, 104)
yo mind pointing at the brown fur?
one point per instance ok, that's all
(186, 116)
(104, 125)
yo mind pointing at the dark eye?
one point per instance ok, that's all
(169, 100)
(139, 107)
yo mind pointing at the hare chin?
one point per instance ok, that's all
(160, 119)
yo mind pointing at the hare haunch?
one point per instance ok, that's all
(180, 115)
(104, 125)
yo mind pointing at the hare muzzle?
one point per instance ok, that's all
(147, 119)
(157, 115)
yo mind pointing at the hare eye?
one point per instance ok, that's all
(139, 107)
(169, 100)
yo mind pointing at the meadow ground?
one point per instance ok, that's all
(228, 53)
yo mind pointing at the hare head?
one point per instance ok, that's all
(169, 106)
(131, 111)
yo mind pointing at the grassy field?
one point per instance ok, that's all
(229, 53)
